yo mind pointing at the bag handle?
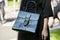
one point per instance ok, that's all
(27, 19)
(31, 2)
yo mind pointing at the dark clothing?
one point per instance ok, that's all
(43, 8)
(56, 10)
(2, 3)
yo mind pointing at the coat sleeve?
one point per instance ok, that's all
(47, 11)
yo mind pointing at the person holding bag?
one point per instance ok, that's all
(45, 11)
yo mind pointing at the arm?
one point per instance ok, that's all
(45, 23)
(44, 31)
(47, 12)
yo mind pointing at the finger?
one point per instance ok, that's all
(45, 37)
(42, 37)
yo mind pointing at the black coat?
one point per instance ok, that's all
(44, 8)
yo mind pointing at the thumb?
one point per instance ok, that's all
(42, 36)
(45, 38)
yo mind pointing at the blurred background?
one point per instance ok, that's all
(55, 30)
(11, 13)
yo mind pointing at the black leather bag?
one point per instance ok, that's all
(27, 21)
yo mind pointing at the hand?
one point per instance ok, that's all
(51, 25)
(44, 34)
